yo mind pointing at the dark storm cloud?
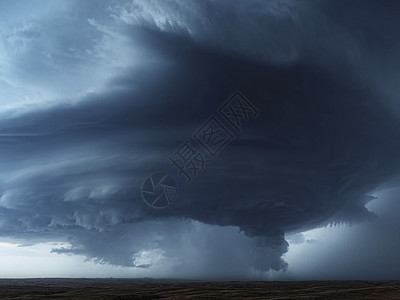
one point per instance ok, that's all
(326, 137)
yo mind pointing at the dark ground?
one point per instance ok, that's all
(168, 289)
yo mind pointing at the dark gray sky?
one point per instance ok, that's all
(97, 95)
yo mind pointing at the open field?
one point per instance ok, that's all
(168, 289)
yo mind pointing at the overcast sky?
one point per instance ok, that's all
(97, 95)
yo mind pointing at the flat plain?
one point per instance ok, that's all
(62, 288)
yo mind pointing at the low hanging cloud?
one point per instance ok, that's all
(150, 74)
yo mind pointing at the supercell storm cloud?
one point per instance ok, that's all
(96, 95)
